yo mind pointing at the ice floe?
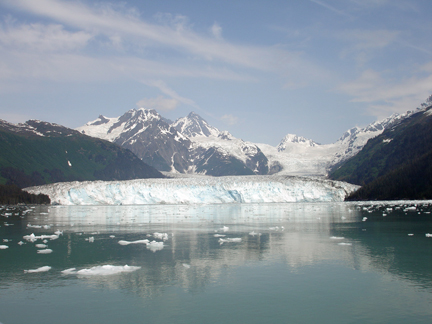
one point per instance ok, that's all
(230, 240)
(155, 246)
(44, 251)
(103, 270)
(41, 269)
(122, 242)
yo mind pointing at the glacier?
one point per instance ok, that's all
(197, 190)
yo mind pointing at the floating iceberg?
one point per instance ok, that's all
(198, 190)
(44, 251)
(155, 246)
(230, 240)
(122, 242)
(104, 270)
(41, 269)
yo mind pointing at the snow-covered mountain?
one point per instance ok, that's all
(148, 135)
(193, 125)
(296, 155)
(189, 145)
(197, 190)
(218, 153)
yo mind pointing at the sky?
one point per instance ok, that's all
(258, 68)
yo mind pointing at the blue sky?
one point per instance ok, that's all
(259, 69)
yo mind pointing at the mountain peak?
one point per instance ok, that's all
(291, 139)
(194, 125)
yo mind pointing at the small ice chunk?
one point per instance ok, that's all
(41, 246)
(337, 237)
(187, 266)
(229, 240)
(343, 243)
(122, 242)
(34, 226)
(4, 247)
(44, 251)
(112, 236)
(21, 243)
(428, 235)
(58, 232)
(69, 271)
(364, 219)
(106, 270)
(410, 234)
(90, 239)
(161, 236)
(219, 235)
(155, 246)
(41, 269)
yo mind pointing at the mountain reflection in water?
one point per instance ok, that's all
(199, 258)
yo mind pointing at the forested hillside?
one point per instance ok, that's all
(396, 164)
(37, 152)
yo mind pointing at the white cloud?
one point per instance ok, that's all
(178, 36)
(216, 31)
(365, 43)
(163, 87)
(159, 103)
(43, 38)
(229, 119)
(386, 95)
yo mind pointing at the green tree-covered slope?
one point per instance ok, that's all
(37, 152)
(395, 164)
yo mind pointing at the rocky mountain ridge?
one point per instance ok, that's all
(191, 145)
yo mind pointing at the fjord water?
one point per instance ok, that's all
(277, 263)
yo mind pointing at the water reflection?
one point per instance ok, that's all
(297, 234)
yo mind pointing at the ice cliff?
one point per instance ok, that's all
(199, 190)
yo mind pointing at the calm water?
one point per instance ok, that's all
(287, 263)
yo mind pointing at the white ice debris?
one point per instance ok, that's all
(337, 237)
(161, 236)
(343, 243)
(199, 190)
(3, 247)
(34, 238)
(104, 270)
(219, 235)
(122, 242)
(428, 235)
(41, 269)
(155, 246)
(69, 271)
(230, 240)
(41, 246)
(44, 251)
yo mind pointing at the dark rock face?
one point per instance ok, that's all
(153, 140)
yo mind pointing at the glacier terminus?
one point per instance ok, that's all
(197, 190)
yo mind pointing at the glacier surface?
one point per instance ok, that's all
(197, 190)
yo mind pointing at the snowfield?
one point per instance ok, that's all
(197, 190)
